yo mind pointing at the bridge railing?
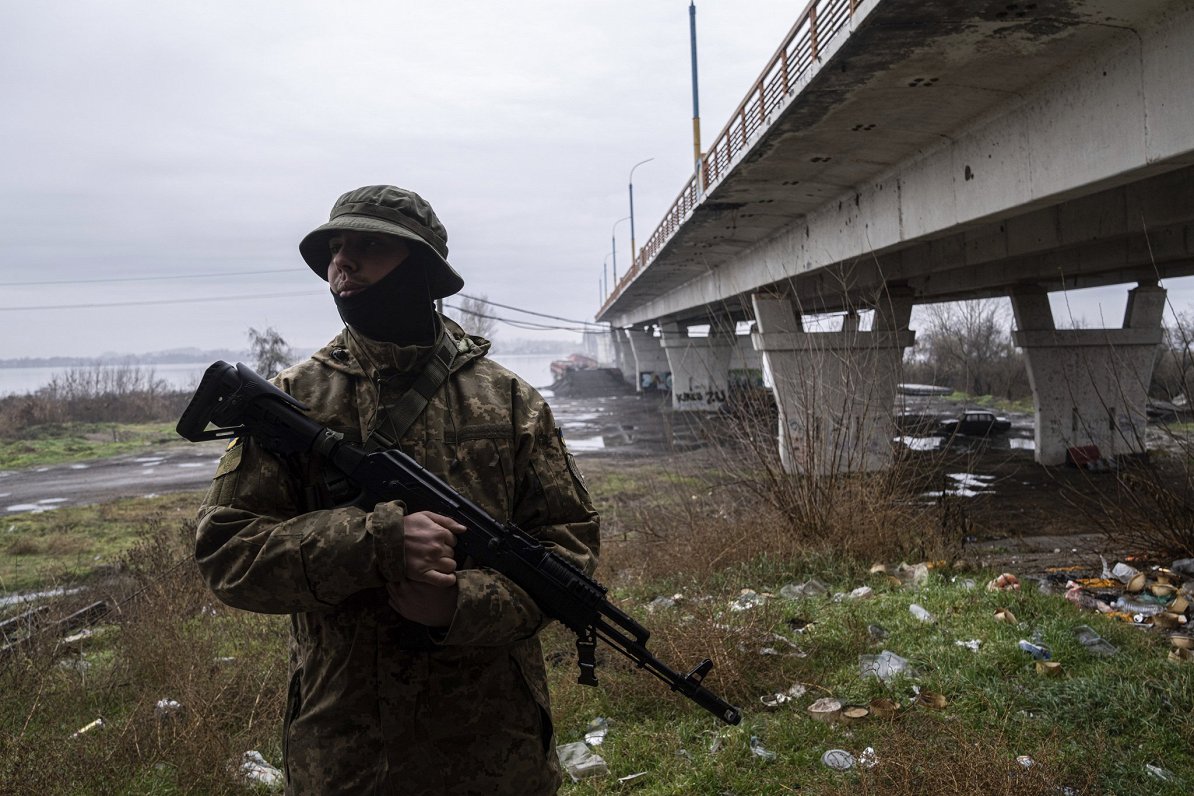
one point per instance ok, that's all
(801, 48)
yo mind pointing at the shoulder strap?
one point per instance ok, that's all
(400, 415)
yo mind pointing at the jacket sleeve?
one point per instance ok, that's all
(552, 504)
(258, 550)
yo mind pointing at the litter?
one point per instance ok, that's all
(886, 666)
(98, 724)
(1005, 582)
(798, 591)
(882, 707)
(1025, 761)
(861, 593)
(631, 777)
(920, 613)
(757, 750)
(580, 761)
(914, 575)
(1183, 566)
(876, 632)
(853, 713)
(1038, 651)
(596, 731)
(838, 759)
(931, 699)
(1156, 772)
(663, 602)
(747, 599)
(868, 758)
(1088, 602)
(1048, 668)
(167, 707)
(1124, 573)
(1094, 643)
(777, 699)
(1004, 615)
(825, 709)
(255, 769)
(972, 644)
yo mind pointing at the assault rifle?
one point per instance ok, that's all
(237, 401)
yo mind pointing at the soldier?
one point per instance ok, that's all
(411, 671)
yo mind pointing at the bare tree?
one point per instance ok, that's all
(968, 345)
(475, 315)
(270, 352)
(1175, 360)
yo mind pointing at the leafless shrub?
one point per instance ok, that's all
(100, 394)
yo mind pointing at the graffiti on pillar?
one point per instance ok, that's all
(745, 377)
(700, 396)
(655, 380)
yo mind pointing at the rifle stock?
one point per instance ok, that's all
(235, 400)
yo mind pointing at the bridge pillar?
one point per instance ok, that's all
(835, 390)
(700, 366)
(624, 355)
(1089, 386)
(651, 369)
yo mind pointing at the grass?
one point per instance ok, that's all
(1095, 729)
(69, 544)
(65, 442)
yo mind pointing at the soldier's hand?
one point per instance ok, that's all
(429, 542)
(429, 605)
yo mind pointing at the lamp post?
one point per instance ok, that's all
(605, 275)
(613, 247)
(630, 183)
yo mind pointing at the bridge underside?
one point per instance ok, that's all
(943, 151)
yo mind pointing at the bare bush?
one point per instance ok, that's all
(100, 394)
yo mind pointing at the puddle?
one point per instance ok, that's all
(31, 596)
(586, 444)
(33, 508)
(921, 443)
(80, 466)
(191, 464)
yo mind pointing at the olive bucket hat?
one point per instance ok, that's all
(391, 211)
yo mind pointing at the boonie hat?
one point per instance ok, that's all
(390, 211)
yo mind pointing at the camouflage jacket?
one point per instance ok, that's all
(376, 703)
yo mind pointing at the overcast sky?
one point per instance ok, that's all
(162, 160)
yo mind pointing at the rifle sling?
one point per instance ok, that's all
(401, 414)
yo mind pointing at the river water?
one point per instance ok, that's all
(535, 368)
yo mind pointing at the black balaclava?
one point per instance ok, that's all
(395, 309)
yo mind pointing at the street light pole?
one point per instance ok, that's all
(630, 183)
(613, 247)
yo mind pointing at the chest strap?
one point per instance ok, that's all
(398, 416)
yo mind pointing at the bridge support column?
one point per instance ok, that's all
(1089, 386)
(624, 355)
(835, 390)
(651, 369)
(700, 366)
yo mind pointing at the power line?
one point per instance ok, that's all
(159, 302)
(525, 312)
(146, 278)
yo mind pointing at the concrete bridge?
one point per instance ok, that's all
(896, 152)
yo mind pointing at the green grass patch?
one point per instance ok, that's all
(1095, 728)
(66, 442)
(45, 549)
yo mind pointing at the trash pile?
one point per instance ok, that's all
(1158, 598)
